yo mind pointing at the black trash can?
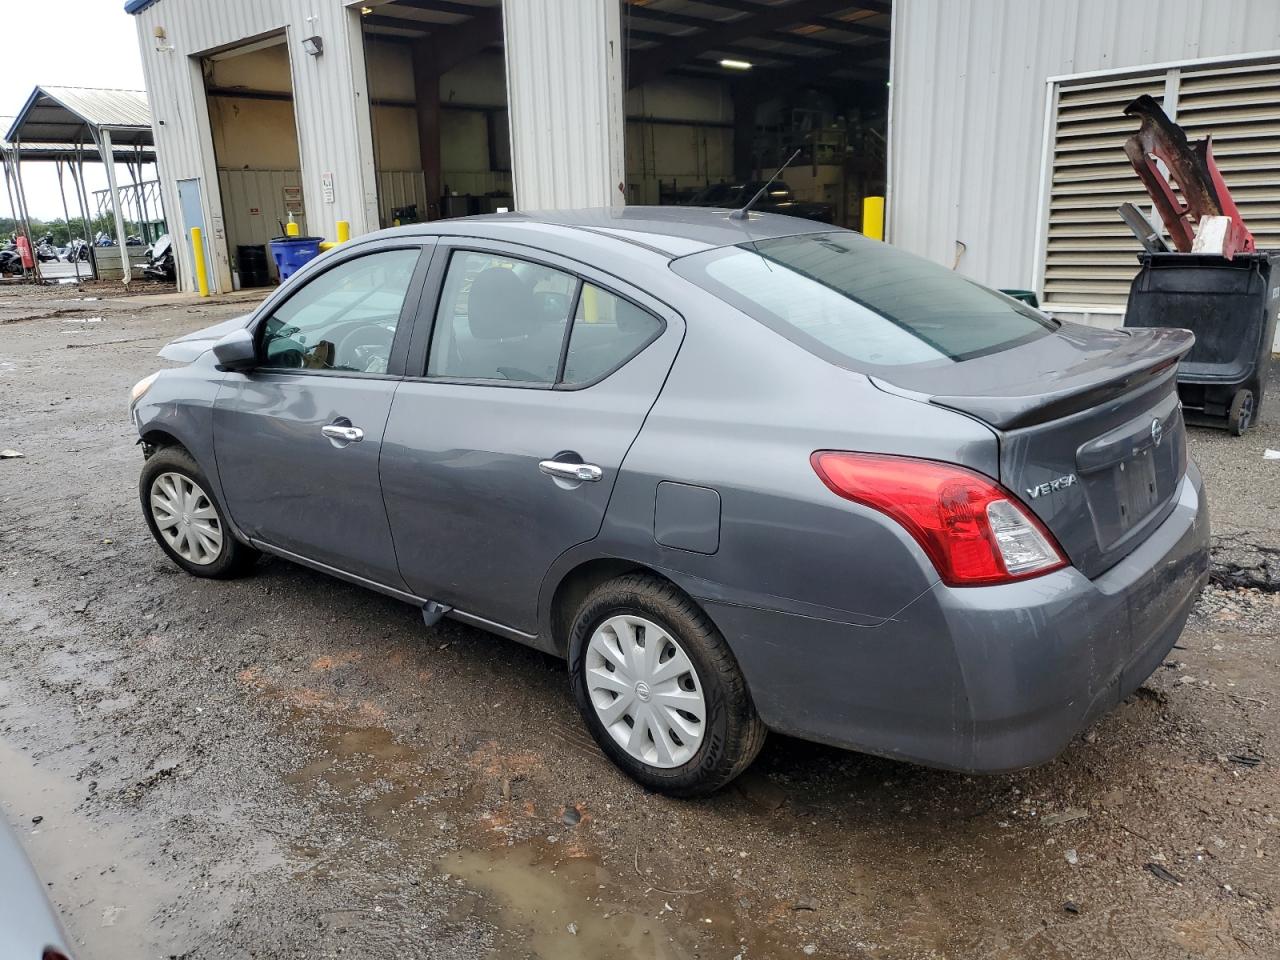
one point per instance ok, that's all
(252, 265)
(1230, 305)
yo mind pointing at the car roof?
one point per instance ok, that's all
(672, 231)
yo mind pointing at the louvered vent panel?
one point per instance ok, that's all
(1241, 108)
(1090, 255)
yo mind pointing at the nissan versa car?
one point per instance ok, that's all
(743, 474)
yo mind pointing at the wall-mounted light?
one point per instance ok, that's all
(160, 35)
(365, 11)
(735, 64)
(313, 45)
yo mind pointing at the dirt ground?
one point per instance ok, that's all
(287, 766)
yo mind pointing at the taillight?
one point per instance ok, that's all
(975, 532)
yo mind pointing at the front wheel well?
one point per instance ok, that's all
(578, 583)
(154, 440)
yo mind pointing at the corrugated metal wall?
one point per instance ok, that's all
(564, 90)
(330, 103)
(968, 107)
(244, 191)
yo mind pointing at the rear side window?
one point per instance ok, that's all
(504, 319)
(859, 302)
(607, 332)
(501, 319)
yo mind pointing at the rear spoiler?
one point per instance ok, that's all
(1149, 355)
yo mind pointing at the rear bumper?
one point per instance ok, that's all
(983, 679)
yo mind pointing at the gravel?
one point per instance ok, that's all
(285, 765)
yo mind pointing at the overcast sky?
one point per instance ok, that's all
(67, 43)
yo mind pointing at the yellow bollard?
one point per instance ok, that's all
(291, 229)
(197, 254)
(590, 306)
(343, 231)
(873, 217)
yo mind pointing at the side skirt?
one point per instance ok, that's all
(492, 626)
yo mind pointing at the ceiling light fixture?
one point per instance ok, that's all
(735, 64)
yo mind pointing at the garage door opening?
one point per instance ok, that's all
(255, 145)
(721, 92)
(438, 108)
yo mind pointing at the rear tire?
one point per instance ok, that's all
(698, 728)
(186, 521)
(1241, 416)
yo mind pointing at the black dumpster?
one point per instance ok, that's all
(1230, 305)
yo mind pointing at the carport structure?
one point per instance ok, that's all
(62, 124)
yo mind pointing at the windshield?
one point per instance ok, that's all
(860, 302)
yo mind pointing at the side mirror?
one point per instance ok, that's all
(236, 351)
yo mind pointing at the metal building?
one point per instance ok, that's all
(994, 126)
(390, 110)
(1006, 131)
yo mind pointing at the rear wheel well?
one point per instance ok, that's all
(579, 582)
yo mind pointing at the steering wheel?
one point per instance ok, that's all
(364, 346)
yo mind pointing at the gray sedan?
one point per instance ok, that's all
(742, 474)
(29, 929)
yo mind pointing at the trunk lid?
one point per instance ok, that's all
(1090, 428)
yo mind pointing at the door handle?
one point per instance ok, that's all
(564, 470)
(336, 431)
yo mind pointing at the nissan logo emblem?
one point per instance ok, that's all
(1157, 432)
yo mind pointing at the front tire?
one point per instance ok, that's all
(659, 688)
(186, 521)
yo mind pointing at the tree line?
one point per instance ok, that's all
(59, 229)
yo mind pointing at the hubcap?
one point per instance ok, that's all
(186, 518)
(645, 691)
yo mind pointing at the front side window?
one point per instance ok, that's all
(343, 320)
(859, 302)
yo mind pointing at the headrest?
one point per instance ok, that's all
(499, 305)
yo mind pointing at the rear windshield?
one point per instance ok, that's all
(859, 302)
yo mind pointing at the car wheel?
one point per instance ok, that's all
(659, 688)
(185, 519)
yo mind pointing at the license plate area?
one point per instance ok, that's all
(1127, 488)
(1136, 491)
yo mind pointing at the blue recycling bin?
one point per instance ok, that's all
(290, 253)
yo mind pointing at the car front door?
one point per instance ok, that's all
(502, 452)
(297, 439)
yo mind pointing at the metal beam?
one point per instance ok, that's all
(104, 150)
(663, 16)
(647, 65)
(818, 43)
(706, 23)
(444, 6)
(853, 26)
(400, 23)
(871, 6)
(757, 53)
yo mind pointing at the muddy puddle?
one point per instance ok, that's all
(534, 878)
(93, 870)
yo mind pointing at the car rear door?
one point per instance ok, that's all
(297, 439)
(530, 368)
